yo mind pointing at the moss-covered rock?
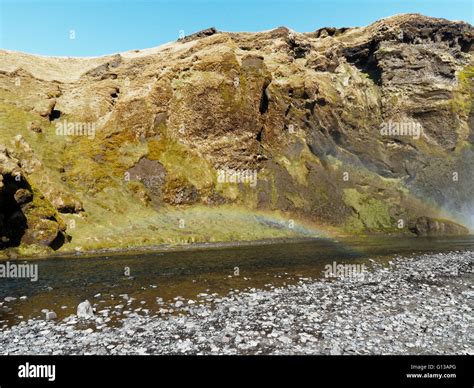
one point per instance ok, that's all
(26, 217)
(425, 226)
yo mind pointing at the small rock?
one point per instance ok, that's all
(23, 196)
(35, 127)
(84, 310)
(50, 315)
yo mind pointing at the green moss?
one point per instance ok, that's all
(463, 96)
(371, 214)
(181, 163)
(296, 166)
(201, 224)
(466, 74)
(296, 200)
(231, 98)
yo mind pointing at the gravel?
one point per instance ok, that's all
(419, 305)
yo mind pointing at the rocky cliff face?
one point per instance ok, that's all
(25, 215)
(223, 136)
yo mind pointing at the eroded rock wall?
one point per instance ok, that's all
(314, 116)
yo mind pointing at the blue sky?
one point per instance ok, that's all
(109, 26)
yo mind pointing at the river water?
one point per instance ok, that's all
(63, 282)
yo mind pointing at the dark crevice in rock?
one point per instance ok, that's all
(264, 100)
(364, 58)
(309, 105)
(114, 95)
(328, 31)
(259, 135)
(465, 45)
(455, 36)
(109, 76)
(68, 209)
(337, 136)
(54, 115)
(13, 222)
(298, 49)
(321, 101)
(58, 242)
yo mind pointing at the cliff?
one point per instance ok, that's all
(239, 136)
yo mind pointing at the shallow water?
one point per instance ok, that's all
(68, 281)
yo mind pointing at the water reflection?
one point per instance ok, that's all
(64, 282)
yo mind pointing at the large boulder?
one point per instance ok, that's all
(425, 226)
